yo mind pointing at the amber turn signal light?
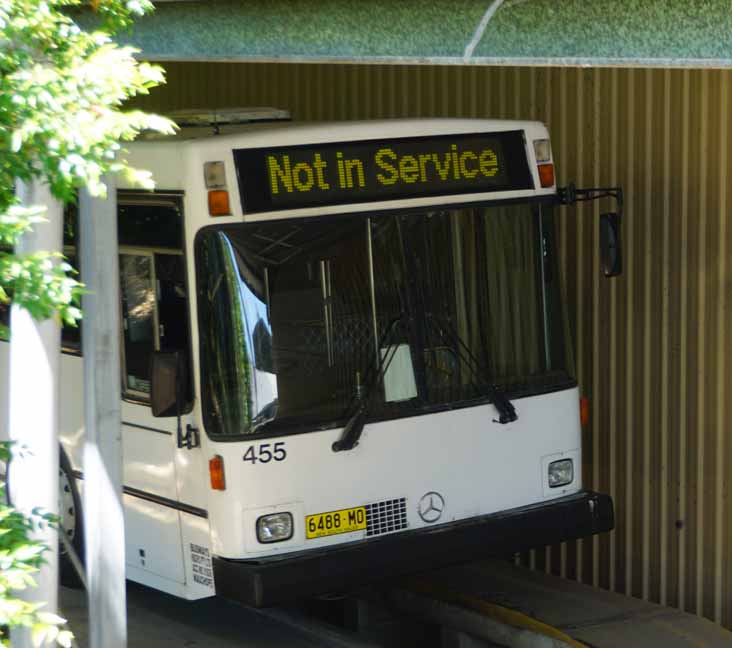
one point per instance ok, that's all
(584, 411)
(546, 175)
(218, 203)
(216, 471)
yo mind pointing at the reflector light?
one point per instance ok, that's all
(584, 411)
(546, 175)
(214, 175)
(218, 203)
(216, 471)
(543, 150)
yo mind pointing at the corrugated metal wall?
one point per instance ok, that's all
(654, 346)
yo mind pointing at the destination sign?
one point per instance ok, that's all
(367, 171)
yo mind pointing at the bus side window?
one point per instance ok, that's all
(71, 338)
(138, 322)
(71, 335)
(4, 321)
(5, 311)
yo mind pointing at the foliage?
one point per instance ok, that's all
(62, 121)
(61, 93)
(20, 558)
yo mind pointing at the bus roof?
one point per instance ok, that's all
(280, 132)
(178, 164)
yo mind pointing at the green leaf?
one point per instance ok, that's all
(50, 618)
(65, 639)
(62, 121)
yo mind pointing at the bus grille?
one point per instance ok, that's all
(386, 516)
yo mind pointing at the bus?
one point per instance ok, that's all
(345, 357)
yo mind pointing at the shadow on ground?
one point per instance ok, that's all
(159, 620)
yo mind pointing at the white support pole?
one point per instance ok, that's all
(35, 349)
(103, 514)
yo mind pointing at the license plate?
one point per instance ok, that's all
(334, 522)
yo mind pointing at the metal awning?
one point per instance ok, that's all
(659, 33)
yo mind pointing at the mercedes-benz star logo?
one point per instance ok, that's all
(431, 507)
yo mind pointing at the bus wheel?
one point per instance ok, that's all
(71, 524)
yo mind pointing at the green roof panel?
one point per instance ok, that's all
(571, 32)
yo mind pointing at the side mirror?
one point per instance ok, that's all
(610, 245)
(167, 377)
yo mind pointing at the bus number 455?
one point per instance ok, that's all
(266, 452)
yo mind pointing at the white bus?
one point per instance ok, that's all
(344, 357)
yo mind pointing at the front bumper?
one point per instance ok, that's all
(275, 580)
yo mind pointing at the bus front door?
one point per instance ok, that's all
(154, 316)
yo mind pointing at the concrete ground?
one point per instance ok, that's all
(157, 620)
(592, 616)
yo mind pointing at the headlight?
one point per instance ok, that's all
(561, 473)
(274, 528)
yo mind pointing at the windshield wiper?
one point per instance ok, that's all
(357, 421)
(506, 410)
(353, 430)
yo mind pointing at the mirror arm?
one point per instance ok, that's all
(570, 195)
(610, 246)
(190, 439)
(179, 430)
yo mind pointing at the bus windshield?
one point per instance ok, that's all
(295, 317)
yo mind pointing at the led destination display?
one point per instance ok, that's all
(353, 172)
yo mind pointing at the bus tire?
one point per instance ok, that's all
(71, 523)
